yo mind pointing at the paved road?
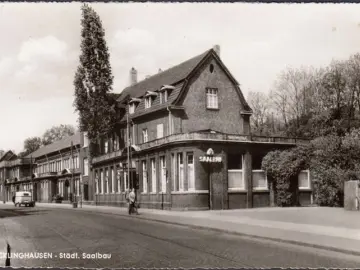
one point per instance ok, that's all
(137, 243)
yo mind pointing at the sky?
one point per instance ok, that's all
(40, 48)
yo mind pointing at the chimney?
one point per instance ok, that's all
(133, 76)
(159, 70)
(216, 48)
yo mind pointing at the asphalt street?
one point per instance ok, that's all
(130, 242)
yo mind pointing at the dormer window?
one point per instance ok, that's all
(132, 105)
(148, 102)
(132, 108)
(149, 98)
(163, 97)
(164, 92)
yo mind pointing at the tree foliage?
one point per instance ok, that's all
(31, 145)
(57, 133)
(93, 80)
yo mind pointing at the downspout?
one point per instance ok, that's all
(170, 118)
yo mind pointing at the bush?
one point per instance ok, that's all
(283, 167)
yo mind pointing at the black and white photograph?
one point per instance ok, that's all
(179, 135)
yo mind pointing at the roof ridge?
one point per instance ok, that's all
(171, 75)
(166, 70)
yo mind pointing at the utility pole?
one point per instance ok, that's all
(72, 175)
(128, 142)
(31, 179)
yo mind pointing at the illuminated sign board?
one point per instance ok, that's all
(210, 159)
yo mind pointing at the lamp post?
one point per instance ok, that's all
(210, 153)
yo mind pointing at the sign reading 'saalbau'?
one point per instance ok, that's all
(210, 159)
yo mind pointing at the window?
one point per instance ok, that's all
(86, 140)
(144, 175)
(148, 101)
(259, 179)
(118, 178)
(163, 96)
(115, 142)
(145, 135)
(101, 187)
(97, 182)
(173, 165)
(163, 173)
(126, 179)
(235, 172)
(106, 146)
(86, 166)
(160, 130)
(112, 175)
(131, 108)
(153, 176)
(304, 180)
(58, 165)
(212, 98)
(190, 172)
(76, 162)
(180, 171)
(107, 181)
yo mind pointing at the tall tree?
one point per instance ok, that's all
(31, 145)
(57, 133)
(260, 106)
(93, 80)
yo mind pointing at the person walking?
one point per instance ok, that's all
(132, 201)
(13, 198)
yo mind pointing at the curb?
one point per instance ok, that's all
(200, 227)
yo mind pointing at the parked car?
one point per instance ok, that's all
(24, 198)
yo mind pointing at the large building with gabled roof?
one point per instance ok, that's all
(184, 142)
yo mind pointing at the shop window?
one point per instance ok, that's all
(190, 171)
(304, 179)
(235, 172)
(259, 177)
(180, 171)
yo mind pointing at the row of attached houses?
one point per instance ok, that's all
(184, 142)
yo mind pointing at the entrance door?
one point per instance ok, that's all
(217, 189)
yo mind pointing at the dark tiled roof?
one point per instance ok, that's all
(56, 146)
(169, 76)
(8, 156)
(156, 105)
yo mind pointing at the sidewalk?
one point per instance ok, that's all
(321, 227)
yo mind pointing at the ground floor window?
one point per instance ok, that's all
(144, 176)
(112, 175)
(96, 182)
(235, 172)
(304, 179)
(259, 179)
(153, 176)
(77, 185)
(163, 173)
(180, 162)
(173, 169)
(107, 181)
(101, 186)
(118, 178)
(126, 180)
(190, 171)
